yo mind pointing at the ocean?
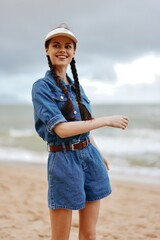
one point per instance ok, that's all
(134, 152)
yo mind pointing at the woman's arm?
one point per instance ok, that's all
(69, 129)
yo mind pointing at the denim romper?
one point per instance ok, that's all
(74, 177)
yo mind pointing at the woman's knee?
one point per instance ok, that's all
(88, 236)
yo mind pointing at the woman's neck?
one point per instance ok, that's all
(61, 72)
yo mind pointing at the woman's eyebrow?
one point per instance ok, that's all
(65, 43)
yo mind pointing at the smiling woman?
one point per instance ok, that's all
(77, 172)
(61, 50)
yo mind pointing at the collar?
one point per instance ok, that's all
(49, 77)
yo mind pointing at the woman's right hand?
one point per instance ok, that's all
(118, 121)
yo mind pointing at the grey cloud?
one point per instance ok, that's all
(126, 29)
(97, 67)
(108, 31)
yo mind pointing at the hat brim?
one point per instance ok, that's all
(61, 32)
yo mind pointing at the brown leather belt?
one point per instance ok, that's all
(69, 147)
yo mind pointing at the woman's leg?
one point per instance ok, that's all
(87, 220)
(60, 223)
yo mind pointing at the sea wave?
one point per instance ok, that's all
(123, 171)
(128, 145)
(136, 174)
(18, 133)
(11, 154)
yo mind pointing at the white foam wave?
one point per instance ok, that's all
(123, 170)
(145, 174)
(17, 133)
(22, 155)
(127, 145)
(138, 174)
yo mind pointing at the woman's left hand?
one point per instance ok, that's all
(106, 163)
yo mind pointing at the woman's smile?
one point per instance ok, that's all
(62, 56)
(61, 50)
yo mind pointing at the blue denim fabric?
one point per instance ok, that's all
(48, 100)
(74, 177)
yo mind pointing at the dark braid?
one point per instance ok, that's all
(67, 109)
(85, 114)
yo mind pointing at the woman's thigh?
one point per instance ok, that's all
(88, 219)
(60, 223)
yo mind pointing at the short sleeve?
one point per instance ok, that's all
(45, 107)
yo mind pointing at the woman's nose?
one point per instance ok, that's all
(62, 49)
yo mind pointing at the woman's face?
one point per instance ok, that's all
(61, 50)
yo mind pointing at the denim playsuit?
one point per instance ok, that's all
(74, 177)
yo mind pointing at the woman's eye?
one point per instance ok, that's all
(56, 45)
(68, 46)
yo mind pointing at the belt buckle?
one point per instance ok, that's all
(86, 141)
(72, 146)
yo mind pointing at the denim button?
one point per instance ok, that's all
(62, 97)
(75, 112)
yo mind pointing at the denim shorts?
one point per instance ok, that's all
(76, 177)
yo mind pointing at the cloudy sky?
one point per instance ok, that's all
(118, 55)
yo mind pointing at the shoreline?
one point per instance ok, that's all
(116, 173)
(131, 212)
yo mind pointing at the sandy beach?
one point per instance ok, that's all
(131, 212)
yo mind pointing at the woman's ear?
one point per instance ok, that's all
(46, 50)
(74, 53)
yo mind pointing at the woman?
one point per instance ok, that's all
(77, 173)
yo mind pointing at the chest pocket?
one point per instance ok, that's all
(60, 99)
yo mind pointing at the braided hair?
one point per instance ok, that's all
(85, 114)
(68, 108)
